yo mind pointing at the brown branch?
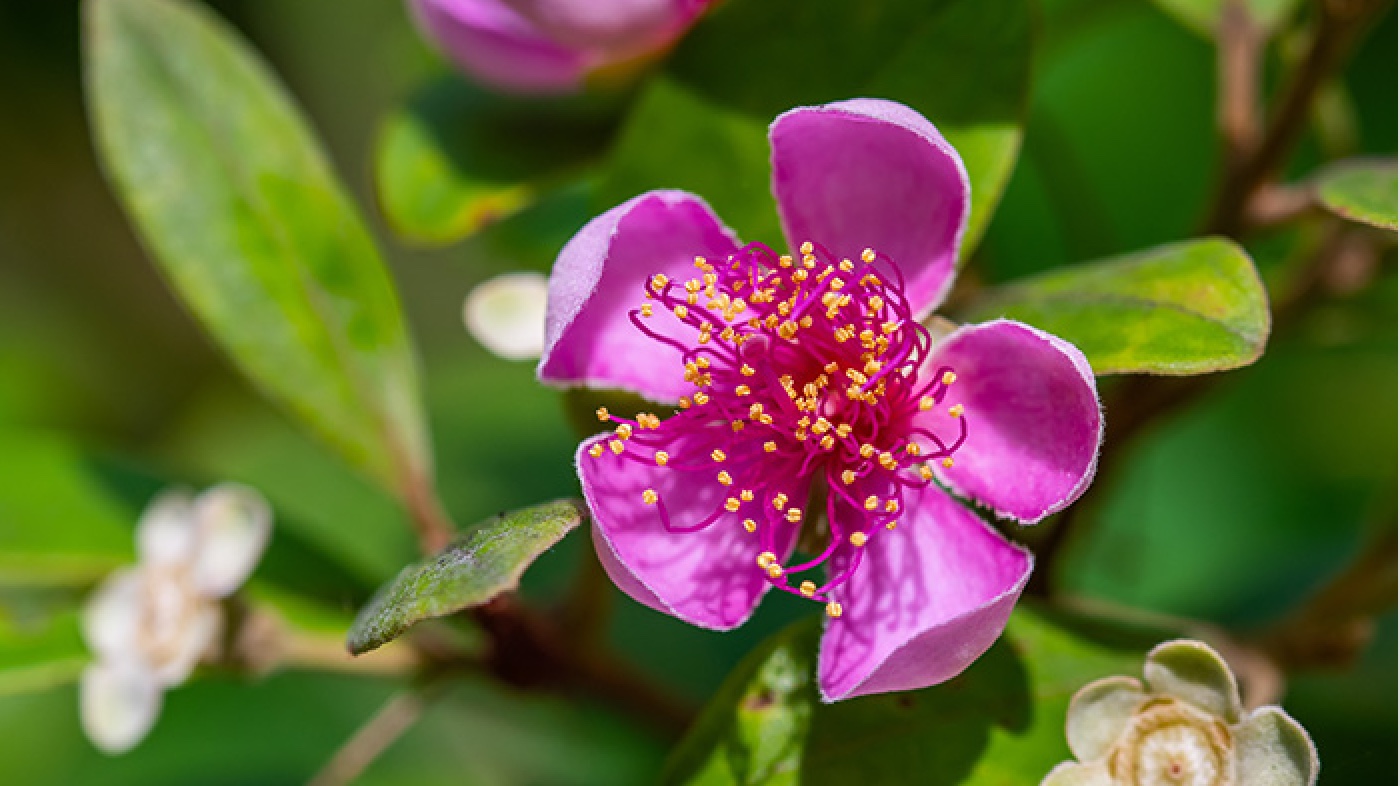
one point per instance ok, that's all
(1338, 25)
(1337, 623)
(528, 652)
(1241, 44)
(382, 730)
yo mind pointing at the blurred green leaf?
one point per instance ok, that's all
(1361, 191)
(674, 138)
(965, 64)
(231, 194)
(472, 570)
(1186, 308)
(58, 525)
(456, 157)
(1203, 16)
(1000, 722)
(38, 656)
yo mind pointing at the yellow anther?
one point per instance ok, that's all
(912, 449)
(872, 367)
(867, 450)
(692, 286)
(832, 367)
(867, 256)
(806, 247)
(603, 414)
(889, 327)
(742, 390)
(956, 410)
(787, 330)
(746, 495)
(662, 457)
(836, 284)
(858, 539)
(746, 370)
(649, 496)
(827, 442)
(847, 266)
(890, 525)
(805, 322)
(736, 425)
(822, 425)
(775, 571)
(926, 403)
(794, 515)
(891, 506)
(887, 460)
(717, 455)
(616, 446)
(866, 336)
(623, 431)
(833, 609)
(948, 463)
(785, 260)
(702, 398)
(684, 403)
(779, 500)
(872, 502)
(646, 309)
(770, 447)
(766, 558)
(948, 377)
(732, 504)
(659, 281)
(725, 479)
(876, 303)
(750, 525)
(702, 362)
(596, 450)
(807, 588)
(848, 476)
(926, 472)
(809, 261)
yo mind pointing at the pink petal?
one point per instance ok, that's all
(600, 276)
(1033, 418)
(497, 46)
(615, 25)
(927, 600)
(871, 173)
(709, 578)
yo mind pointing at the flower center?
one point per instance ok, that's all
(803, 368)
(170, 607)
(1172, 744)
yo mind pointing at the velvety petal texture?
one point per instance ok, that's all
(165, 535)
(707, 578)
(1072, 773)
(1033, 418)
(614, 25)
(1193, 672)
(1271, 749)
(234, 523)
(929, 598)
(496, 45)
(868, 173)
(600, 277)
(119, 704)
(506, 314)
(1099, 713)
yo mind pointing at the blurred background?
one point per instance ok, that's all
(1232, 510)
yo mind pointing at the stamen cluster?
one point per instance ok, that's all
(804, 367)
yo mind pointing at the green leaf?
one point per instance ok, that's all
(457, 157)
(965, 64)
(1203, 16)
(230, 192)
(1000, 722)
(40, 654)
(675, 139)
(58, 524)
(1361, 191)
(475, 568)
(1185, 308)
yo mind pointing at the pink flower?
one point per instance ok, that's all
(807, 384)
(548, 46)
